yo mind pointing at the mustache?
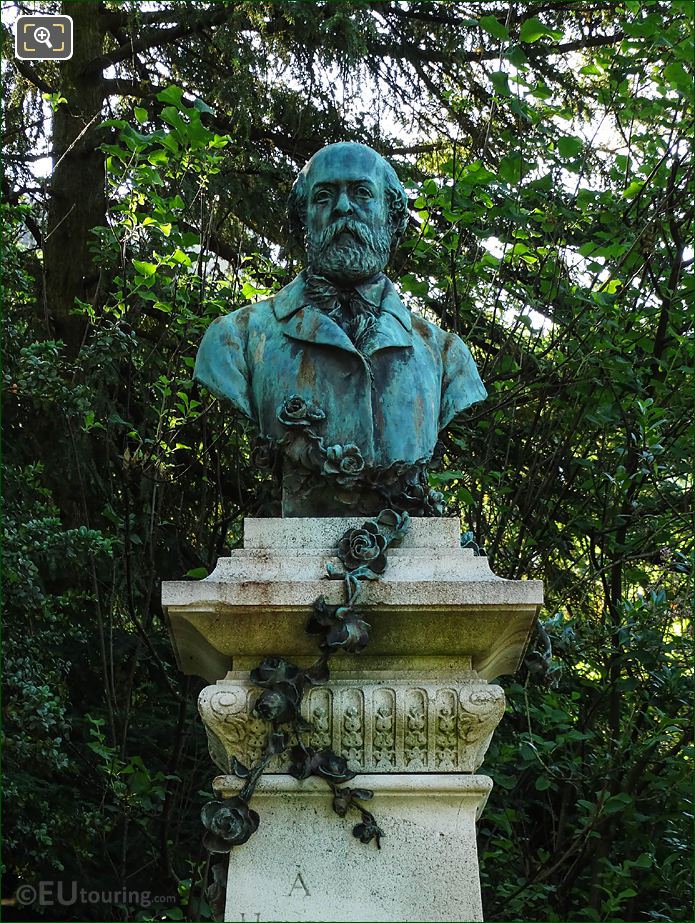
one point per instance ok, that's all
(360, 231)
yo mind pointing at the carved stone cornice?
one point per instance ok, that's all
(436, 599)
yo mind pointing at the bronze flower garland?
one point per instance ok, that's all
(231, 822)
(401, 486)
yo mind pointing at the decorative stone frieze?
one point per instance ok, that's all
(378, 725)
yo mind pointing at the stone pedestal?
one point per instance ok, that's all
(304, 864)
(415, 712)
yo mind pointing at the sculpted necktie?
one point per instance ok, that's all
(347, 307)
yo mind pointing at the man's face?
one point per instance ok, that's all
(347, 234)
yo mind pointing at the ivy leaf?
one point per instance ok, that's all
(171, 116)
(173, 913)
(569, 146)
(493, 26)
(144, 268)
(171, 95)
(677, 76)
(500, 82)
(516, 56)
(202, 107)
(617, 803)
(532, 29)
(158, 157)
(178, 256)
(513, 168)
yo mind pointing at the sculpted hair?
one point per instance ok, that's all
(396, 199)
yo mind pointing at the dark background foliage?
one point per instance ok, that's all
(545, 148)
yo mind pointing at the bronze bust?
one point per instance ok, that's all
(335, 371)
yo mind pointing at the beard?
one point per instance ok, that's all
(354, 256)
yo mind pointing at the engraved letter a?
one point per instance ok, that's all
(299, 881)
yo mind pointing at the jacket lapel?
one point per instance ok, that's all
(387, 332)
(314, 326)
(394, 324)
(302, 321)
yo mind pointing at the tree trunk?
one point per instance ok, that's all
(77, 200)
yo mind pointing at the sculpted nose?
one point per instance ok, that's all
(343, 205)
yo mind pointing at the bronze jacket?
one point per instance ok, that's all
(391, 400)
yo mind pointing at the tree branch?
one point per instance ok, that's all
(26, 70)
(156, 39)
(429, 55)
(140, 89)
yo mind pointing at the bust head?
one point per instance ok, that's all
(349, 210)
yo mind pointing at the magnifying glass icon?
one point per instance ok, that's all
(43, 35)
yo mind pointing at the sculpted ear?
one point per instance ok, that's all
(397, 204)
(399, 221)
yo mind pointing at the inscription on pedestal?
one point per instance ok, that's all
(299, 888)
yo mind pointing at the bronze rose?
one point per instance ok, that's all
(345, 461)
(368, 831)
(364, 546)
(297, 412)
(305, 762)
(228, 823)
(274, 670)
(349, 634)
(279, 704)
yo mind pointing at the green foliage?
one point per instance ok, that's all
(552, 194)
(573, 794)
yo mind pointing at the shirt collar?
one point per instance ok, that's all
(379, 291)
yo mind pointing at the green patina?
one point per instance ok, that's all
(335, 371)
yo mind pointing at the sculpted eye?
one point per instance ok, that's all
(321, 197)
(364, 192)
